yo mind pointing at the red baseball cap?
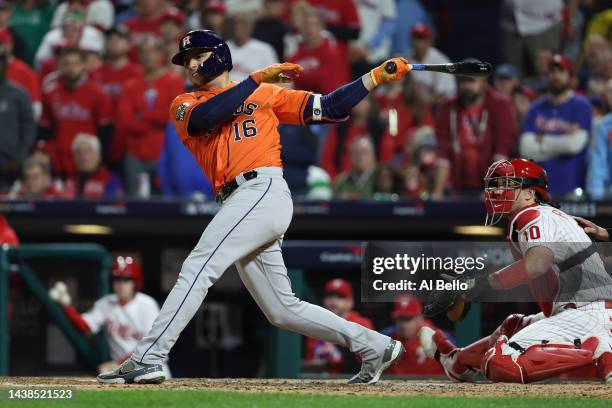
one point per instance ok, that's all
(420, 30)
(339, 287)
(562, 62)
(407, 306)
(174, 15)
(215, 5)
(5, 36)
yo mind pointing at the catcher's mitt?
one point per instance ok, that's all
(456, 303)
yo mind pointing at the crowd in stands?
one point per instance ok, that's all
(85, 87)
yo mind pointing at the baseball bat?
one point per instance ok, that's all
(464, 68)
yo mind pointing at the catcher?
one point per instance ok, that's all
(565, 335)
(126, 314)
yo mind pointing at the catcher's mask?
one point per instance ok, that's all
(504, 181)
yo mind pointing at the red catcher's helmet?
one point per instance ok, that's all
(505, 179)
(127, 268)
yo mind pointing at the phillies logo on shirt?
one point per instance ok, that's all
(309, 63)
(70, 110)
(553, 125)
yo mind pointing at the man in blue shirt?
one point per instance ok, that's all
(556, 130)
(599, 175)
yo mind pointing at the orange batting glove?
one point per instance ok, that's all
(380, 74)
(277, 73)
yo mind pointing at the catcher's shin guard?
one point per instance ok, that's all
(471, 356)
(604, 365)
(536, 363)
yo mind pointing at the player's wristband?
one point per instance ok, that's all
(512, 275)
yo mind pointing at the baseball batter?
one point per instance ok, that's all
(230, 128)
(571, 332)
(126, 315)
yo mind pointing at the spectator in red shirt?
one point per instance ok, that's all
(327, 357)
(405, 112)
(148, 19)
(171, 30)
(21, 73)
(363, 122)
(211, 16)
(342, 20)
(408, 320)
(36, 182)
(93, 179)
(473, 129)
(112, 76)
(7, 234)
(18, 40)
(73, 104)
(316, 53)
(143, 111)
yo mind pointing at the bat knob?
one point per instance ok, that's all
(390, 67)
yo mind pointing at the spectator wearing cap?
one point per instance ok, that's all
(556, 130)
(419, 164)
(73, 104)
(92, 180)
(323, 356)
(98, 13)
(473, 129)
(112, 75)
(599, 174)
(143, 108)
(505, 79)
(374, 43)
(435, 87)
(408, 320)
(316, 52)
(528, 26)
(31, 20)
(410, 12)
(210, 16)
(147, 20)
(171, 30)
(18, 126)
(72, 32)
(248, 53)
(270, 27)
(19, 43)
(20, 73)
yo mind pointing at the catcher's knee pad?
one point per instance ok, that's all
(508, 362)
(512, 324)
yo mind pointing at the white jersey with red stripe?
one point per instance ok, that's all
(586, 284)
(124, 325)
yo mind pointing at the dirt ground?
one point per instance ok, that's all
(337, 387)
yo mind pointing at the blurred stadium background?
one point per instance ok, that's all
(90, 169)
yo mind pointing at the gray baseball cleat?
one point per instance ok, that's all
(132, 372)
(371, 370)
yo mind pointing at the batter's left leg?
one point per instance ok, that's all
(265, 276)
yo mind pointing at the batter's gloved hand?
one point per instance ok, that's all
(59, 293)
(390, 70)
(276, 73)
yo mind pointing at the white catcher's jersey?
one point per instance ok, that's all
(124, 325)
(586, 283)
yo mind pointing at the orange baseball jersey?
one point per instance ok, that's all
(248, 139)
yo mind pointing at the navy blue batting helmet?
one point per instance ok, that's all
(206, 40)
